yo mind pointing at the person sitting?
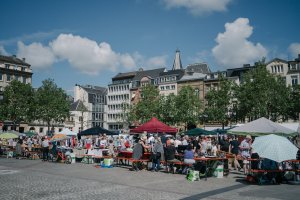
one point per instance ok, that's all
(188, 158)
(170, 152)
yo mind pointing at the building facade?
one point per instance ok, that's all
(118, 98)
(89, 107)
(13, 68)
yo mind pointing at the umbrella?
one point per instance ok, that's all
(199, 131)
(58, 137)
(274, 147)
(96, 131)
(30, 133)
(8, 136)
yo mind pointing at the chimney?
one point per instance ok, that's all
(14, 56)
(23, 59)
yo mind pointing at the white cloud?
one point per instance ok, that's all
(294, 49)
(85, 55)
(199, 7)
(36, 54)
(233, 48)
(150, 63)
(3, 51)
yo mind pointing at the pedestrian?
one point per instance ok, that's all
(45, 146)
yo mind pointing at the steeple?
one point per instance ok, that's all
(177, 61)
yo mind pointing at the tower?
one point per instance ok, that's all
(177, 61)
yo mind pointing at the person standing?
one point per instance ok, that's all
(245, 147)
(45, 146)
(157, 153)
(234, 149)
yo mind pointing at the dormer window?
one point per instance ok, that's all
(7, 66)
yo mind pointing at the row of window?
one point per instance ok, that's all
(10, 77)
(97, 98)
(15, 67)
(294, 66)
(277, 68)
(116, 107)
(118, 97)
(115, 116)
(98, 108)
(168, 87)
(118, 88)
(94, 124)
(98, 116)
(167, 79)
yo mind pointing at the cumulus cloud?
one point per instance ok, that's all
(3, 51)
(233, 48)
(36, 54)
(88, 56)
(199, 7)
(85, 55)
(150, 63)
(294, 49)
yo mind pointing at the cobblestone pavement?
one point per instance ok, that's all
(34, 179)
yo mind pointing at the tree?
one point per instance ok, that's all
(262, 95)
(168, 109)
(187, 106)
(53, 104)
(294, 103)
(18, 103)
(148, 106)
(219, 102)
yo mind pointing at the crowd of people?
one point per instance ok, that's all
(161, 148)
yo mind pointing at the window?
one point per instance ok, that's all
(17, 77)
(23, 69)
(272, 68)
(1, 75)
(167, 87)
(162, 88)
(294, 80)
(281, 67)
(24, 79)
(7, 66)
(16, 67)
(8, 77)
(80, 119)
(173, 87)
(197, 92)
(41, 130)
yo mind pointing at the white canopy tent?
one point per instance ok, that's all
(262, 126)
(68, 132)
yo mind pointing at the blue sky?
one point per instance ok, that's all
(88, 42)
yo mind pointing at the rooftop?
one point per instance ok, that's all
(13, 60)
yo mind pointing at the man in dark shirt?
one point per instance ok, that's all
(170, 151)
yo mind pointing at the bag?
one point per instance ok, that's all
(108, 162)
(193, 175)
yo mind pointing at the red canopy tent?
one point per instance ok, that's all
(154, 126)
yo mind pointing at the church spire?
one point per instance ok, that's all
(177, 61)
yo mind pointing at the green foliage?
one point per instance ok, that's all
(168, 109)
(262, 95)
(148, 107)
(18, 102)
(219, 102)
(187, 106)
(294, 102)
(53, 105)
